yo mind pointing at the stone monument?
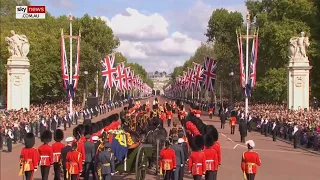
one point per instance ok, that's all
(18, 72)
(298, 71)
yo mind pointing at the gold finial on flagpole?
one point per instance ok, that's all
(248, 16)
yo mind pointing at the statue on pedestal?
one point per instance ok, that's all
(18, 45)
(298, 47)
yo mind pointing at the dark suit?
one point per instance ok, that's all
(179, 161)
(89, 161)
(243, 130)
(223, 118)
(64, 152)
(106, 163)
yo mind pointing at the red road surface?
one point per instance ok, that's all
(279, 160)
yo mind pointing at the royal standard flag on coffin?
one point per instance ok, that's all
(119, 146)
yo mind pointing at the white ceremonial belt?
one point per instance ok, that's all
(197, 164)
(209, 160)
(56, 153)
(44, 156)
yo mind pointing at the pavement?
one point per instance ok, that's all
(279, 160)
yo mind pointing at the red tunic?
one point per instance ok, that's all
(163, 116)
(250, 161)
(29, 159)
(56, 147)
(81, 150)
(82, 139)
(46, 155)
(210, 110)
(197, 163)
(169, 114)
(233, 121)
(216, 146)
(167, 159)
(211, 159)
(74, 162)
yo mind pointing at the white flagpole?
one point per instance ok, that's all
(71, 64)
(247, 65)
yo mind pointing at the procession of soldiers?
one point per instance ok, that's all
(192, 147)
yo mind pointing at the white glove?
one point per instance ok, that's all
(35, 170)
(112, 174)
(181, 165)
(203, 176)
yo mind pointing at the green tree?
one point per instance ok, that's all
(273, 86)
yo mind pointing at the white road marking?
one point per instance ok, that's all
(223, 135)
(230, 140)
(235, 146)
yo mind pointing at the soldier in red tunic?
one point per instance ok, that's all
(197, 159)
(46, 154)
(233, 122)
(57, 147)
(249, 162)
(74, 163)
(211, 159)
(167, 161)
(29, 157)
(80, 147)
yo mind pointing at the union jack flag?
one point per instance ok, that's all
(108, 71)
(129, 78)
(209, 73)
(120, 77)
(253, 62)
(76, 67)
(197, 76)
(64, 64)
(190, 79)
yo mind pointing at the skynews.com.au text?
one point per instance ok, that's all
(30, 12)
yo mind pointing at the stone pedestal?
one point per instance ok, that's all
(298, 71)
(18, 83)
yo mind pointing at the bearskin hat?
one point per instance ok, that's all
(46, 136)
(113, 117)
(211, 130)
(81, 129)
(87, 129)
(29, 140)
(208, 140)
(94, 127)
(76, 132)
(198, 142)
(104, 122)
(100, 126)
(58, 135)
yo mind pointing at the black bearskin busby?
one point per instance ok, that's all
(29, 140)
(113, 117)
(46, 136)
(94, 127)
(211, 130)
(99, 125)
(198, 142)
(81, 129)
(76, 132)
(87, 129)
(208, 140)
(58, 135)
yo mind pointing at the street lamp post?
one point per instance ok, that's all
(86, 74)
(231, 74)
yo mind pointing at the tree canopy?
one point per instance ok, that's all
(97, 40)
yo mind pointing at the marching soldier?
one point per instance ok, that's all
(216, 146)
(57, 147)
(179, 158)
(249, 162)
(295, 135)
(274, 130)
(167, 161)
(233, 121)
(243, 130)
(169, 114)
(197, 159)
(74, 163)
(90, 156)
(29, 157)
(106, 162)
(223, 117)
(46, 153)
(64, 152)
(212, 162)
(174, 130)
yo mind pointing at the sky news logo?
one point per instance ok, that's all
(30, 12)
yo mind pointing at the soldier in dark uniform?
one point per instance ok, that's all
(64, 152)
(90, 151)
(123, 115)
(54, 122)
(223, 118)
(243, 130)
(65, 120)
(295, 135)
(9, 137)
(274, 130)
(179, 157)
(106, 162)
